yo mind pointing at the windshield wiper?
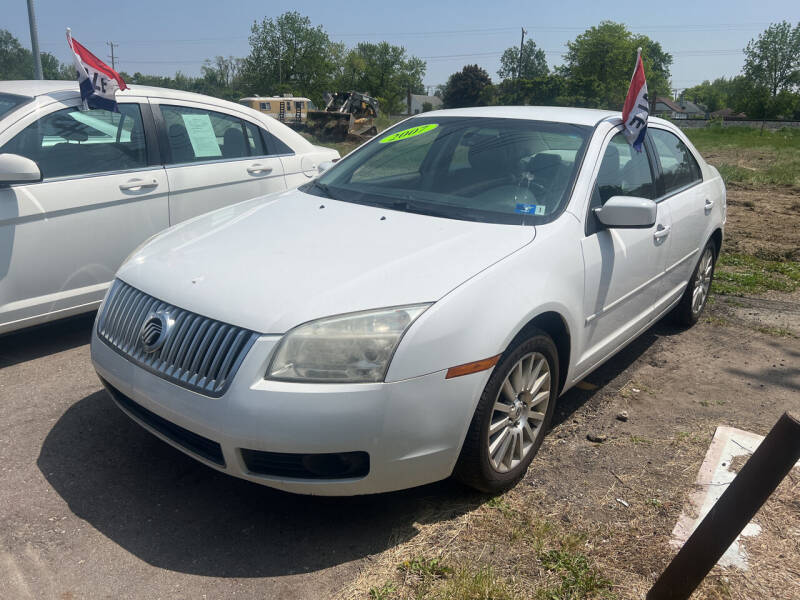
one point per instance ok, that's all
(410, 205)
(323, 188)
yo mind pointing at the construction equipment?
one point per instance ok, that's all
(346, 113)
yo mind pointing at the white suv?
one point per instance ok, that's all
(79, 190)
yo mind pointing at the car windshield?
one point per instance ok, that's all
(9, 102)
(515, 171)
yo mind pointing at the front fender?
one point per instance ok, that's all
(481, 317)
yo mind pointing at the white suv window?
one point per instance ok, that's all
(75, 142)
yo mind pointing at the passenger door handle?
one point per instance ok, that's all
(709, 204)
(258, 168)
(136, 184)
(661, 232)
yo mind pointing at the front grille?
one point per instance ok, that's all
(335, 465)
(208, 449)
(196, 352)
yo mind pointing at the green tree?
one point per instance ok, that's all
(16, 61)
(773, 60)
(714, 95)
(600, 61)
(471, 86)
(288, 54)
(545, 90)
(772, 71)
(52, 68)
(220, 77)
(384, 71)
(534, 62)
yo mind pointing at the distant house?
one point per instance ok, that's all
(417, 100)
(668, 108)
(692, 110)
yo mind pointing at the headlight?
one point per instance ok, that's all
(350, 348)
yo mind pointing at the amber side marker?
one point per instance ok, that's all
(473, 367)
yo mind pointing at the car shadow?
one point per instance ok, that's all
(48, 338)
(175, 513)
(599, 379)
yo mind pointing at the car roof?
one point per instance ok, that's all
(58, 90)
(557, 114)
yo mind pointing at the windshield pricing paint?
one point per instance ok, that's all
(407, 133)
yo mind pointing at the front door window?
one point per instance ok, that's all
(72, 142)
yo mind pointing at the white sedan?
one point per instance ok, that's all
(416, 311)
(79, 190)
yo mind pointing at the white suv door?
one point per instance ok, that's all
(103, 192)
(624, 267)
(214, 158)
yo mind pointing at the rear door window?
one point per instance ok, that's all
(196, 135)
(679, 169)
(72, 142)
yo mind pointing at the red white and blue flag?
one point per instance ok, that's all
(98, 82)
(637, 106)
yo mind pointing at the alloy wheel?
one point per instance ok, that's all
(702, 281)
(519, 412)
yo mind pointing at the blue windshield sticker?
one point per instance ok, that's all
(530, 209)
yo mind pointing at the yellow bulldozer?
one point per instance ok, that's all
(345, 114)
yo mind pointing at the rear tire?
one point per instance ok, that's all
(694, 299)
(512, 416)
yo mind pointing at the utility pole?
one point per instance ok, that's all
(113, 59)
(37, 58)
(519, 61)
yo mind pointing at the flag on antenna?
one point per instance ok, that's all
(637, 106)
(99, 83)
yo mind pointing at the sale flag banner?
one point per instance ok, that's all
(99, 83)
(637, 106)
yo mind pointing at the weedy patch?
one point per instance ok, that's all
(776, 331)
(743, 274)
(470, 584)
(425, 568)
(384, 592)
(577, 578)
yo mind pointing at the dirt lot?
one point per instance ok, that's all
(92, 506)
(764, 221)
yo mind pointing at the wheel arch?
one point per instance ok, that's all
(716, 237)
(554, 325)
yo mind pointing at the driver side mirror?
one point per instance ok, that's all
(627, 211)
(18, 169)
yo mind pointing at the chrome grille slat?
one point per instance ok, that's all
(200, 354)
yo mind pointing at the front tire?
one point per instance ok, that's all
(512, 416)
(694, 299)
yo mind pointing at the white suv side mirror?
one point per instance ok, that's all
(324, 166)
(18, 169)
(627, 211)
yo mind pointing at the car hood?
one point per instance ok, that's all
(272, 263)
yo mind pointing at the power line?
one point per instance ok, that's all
(689, 28)
(689, 53)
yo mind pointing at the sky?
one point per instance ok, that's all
(161, 37)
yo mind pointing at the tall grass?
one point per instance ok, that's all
(746, 155)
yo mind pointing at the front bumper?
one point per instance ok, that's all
(412, 429)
